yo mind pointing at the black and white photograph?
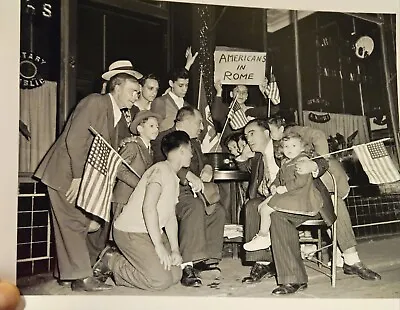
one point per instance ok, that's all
(178, 149)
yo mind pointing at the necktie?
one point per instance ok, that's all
(266, 169)
(128, 116)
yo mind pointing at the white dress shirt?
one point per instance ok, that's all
(116, 110)
(178, 100)
(269, 160)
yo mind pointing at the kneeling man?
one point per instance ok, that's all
(149, 258)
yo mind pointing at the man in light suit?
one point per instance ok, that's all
(168, 105)
(62, 170)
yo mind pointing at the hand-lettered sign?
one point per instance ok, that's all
(246, 68)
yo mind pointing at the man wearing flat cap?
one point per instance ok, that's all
(62, 170)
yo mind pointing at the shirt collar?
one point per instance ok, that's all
(179, 101)
(116, 110)
(147, 145)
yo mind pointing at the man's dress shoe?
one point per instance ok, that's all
(259, 272)
(189, 277)
(89, 284)
(204, 270)
(362, 271)
(64, 283)
(289, 288)
(101, 269)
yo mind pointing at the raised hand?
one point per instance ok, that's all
(218, 88)
(190, 58)
(263, 86)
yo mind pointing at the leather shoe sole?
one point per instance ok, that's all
(90, 284)
(289, 288)
(250, 280)
(271, 272)
(192, 283)
(100, 269)
(64, 283)
(360, 270)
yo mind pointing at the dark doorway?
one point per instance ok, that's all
(106, 34)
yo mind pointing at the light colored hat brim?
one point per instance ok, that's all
(136, 121)
(109, 74)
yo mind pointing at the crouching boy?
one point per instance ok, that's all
(147, 257)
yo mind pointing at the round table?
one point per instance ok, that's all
(234, 177)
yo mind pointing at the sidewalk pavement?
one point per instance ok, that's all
(380, 254)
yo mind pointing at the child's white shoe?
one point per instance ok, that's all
(258, 243)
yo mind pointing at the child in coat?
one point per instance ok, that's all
(135, 151)
(291, 192)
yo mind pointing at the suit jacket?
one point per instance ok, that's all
(139, 158)
(66, 158)
(256, 167)
(167, 108)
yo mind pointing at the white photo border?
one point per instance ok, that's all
(9, 136)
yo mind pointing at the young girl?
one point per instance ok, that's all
(291, 192)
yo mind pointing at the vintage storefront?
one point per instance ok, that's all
(67, 44)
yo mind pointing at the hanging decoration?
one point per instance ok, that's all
(206, 60)
(321, 105)
(364, 47)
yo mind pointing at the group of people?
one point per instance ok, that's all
(167, 222)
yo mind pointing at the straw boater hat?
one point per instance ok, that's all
(140, 116)
(121, 66)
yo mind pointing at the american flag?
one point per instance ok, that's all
(273, 92)
(210, 137)
(237, 117)
(98, 179)
(377, 163)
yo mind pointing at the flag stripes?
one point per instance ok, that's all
(238, 118)
(273, 92)
(210, 139)
(98, 179)
(377, 163)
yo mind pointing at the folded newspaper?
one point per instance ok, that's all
(233, 231)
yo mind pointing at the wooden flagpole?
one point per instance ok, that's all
(227, 118)
(346, 149)
(350, 148)
(269, 99)
(93, 131)
(200, 85)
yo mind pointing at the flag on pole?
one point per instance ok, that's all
(377, 163)
(98, 179)
(238, 118)
(272, 91)
(210, 137)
